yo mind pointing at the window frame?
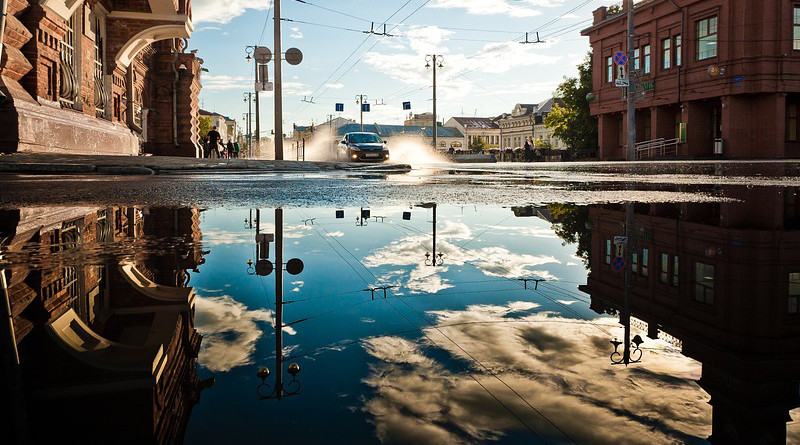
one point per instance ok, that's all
(610, 69)
(646, 58)
(703, 290)
(677, 43)
(796, 27)
(663, 271)
(645, 264)
(792, 120)
(712, 38)
(666, 53)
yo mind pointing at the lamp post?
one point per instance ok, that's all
(361, 99)
(434, 61)
(248, 97)
(431, 259)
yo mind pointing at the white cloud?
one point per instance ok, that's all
(334, 86)
(223, 82)
(213, 11)
(296, 33)
(230, 332)
(513, 8)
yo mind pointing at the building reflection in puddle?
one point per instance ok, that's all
(100, 342)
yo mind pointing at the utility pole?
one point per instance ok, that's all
(361, 99)
(258, 115)
(631, 151)
(249, 100)
(278, 85)
(437, 61)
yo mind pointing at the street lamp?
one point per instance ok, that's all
(435, 61)
(627, 355)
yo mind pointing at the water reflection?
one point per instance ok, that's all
(100, 347)
(506, 339)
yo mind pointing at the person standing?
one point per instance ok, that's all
(229, 149)
(528, 150)
(214, 140)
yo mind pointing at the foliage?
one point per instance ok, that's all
(477, 144)
(573, 123)
(573, 227)
(614, 9)
(205, 126)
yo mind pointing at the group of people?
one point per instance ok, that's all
(214, 147)
(528, 154)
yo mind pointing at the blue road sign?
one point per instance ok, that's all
(365, 108)
(406, 105)
(620, 58)
(618, 264)
(339, 107)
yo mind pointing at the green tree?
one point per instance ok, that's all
(477, 145)
(205, 126)
(573, 123)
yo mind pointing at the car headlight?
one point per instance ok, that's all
(355, 156)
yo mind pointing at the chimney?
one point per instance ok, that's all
(600, 14)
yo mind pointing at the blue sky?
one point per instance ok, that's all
(486, 71)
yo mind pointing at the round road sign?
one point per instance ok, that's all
(262, 54)
(294, 56)
(620, 58)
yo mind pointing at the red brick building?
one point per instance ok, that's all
(99, 76)
(728, 70)
(724, 279)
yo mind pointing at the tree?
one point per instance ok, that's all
(205, 126)
(477, 145)
(573, 123)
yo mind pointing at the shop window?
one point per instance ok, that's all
(707, 38)
(794, 293)
(637, 61)
(678, 48)
(666, 53)
(646, 55)
(635, 263)
(796, 22)
(703, 283)
(663, 275)
(645, 262)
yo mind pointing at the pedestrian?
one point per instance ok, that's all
(229, 149)
(236, 150)
(214, 139)
(528, 150)
(510, 154)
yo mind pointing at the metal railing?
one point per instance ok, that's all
(657, 148)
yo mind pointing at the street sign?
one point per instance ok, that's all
(262, 54)
(406, 105)
(618, 264)
(365, 108)
(264, 87)
(620, 58)
(294, 56)
(622, 83)
(339, 107)
(621, 240)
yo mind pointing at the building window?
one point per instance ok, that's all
(645, 262)
(608, 251)
(707, 38)
(791, 117)
(678, 50)
(675, 270)
(704, 283)
(609, 69)
(666, 53)
(794, 293)
(635, 262)
(663, 275)
(796, 28)
(646, 53)
(636, 59)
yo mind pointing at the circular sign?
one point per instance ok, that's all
(263, 268)
(716, 71)
(262, 54)
(294, 266)
(294, 56)
(620, 58)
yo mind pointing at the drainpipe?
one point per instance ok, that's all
(175, 96)
(683, 44)
(2, 34)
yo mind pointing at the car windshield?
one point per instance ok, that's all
(365, 138)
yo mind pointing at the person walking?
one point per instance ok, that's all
(214, 139)
(528, 150)
(236, 149)
(229, 149)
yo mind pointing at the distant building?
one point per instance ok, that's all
(419, 120)
(716, 77)
(484, 128)
(447, 137)
(107, 77)
(527, 121)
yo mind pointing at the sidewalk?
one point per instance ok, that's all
(49, 164)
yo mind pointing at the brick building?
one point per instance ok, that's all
(724, 280)
(99, 76)
(708, 71)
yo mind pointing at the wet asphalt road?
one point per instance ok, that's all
(501, 184)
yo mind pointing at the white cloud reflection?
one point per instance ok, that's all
(560, 366)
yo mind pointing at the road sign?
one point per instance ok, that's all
(618, 264)
(620, 58)
(622, 83)
(406, 105)
(365, 108)
(621, 240)
(263, 87)
(262, 54)
(294, 56)
(339, 107)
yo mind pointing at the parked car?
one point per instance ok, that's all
(356, 147)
